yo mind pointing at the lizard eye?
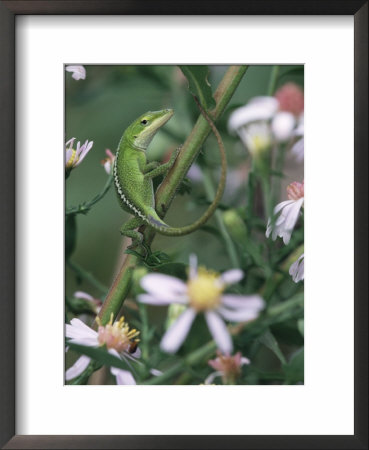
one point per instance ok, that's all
(144, 122)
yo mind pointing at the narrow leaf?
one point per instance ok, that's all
(198, 84)
(270, 341)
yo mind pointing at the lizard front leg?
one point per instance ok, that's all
(162, 169)
(150, 166)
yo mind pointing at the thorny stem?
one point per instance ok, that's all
(170, 184)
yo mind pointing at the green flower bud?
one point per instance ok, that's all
(235, 225)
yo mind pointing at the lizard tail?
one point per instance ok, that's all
(166, 230)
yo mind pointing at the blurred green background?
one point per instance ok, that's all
(99, 108)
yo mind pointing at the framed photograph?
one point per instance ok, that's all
(157, 291)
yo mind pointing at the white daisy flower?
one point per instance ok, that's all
(265, 111)
(297, 269)
(226, 366)
(74, 157)
(78, 72)
(289, 212)
(203, 293)
(277, 115)
(119, 340)
(256, 137)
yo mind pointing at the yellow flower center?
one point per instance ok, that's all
(72, 161)
(205, 290)
(118, 335)
(260, 143)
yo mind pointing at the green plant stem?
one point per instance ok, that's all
(231, 249)
(273, 80)
(83, 208)
(267, 196)
(81, 272)
(118, 291)
(171, 182)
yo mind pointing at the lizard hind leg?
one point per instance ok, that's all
(129, 229)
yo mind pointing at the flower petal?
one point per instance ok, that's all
(212, 376)
(84, 295)
(122, 376)
(232, 276)
(70, 142)
(177, 333)
(297, 269)
(152, 300)
(80, 333)
(259, 108)
(239, 315)
(156, 372)
(254, 302)
(68, 155)
(193, 266)
(79, 328)
(78, 367)
(293, 213)
(83, 151)
(107, 167)
(78, 72)
(136, 353)
(282, 205)
(163, 287)
(219, 332)
(282, 125)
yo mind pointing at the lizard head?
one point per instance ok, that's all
(143, 129)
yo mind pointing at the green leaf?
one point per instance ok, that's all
(101, 355)
(269, 341)
(174, 269)
(156, 259)
(198, 84)
(294, 370)
(295, 302)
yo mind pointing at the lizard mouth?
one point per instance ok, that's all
(163, 118)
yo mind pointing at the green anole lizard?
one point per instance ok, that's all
(133, 176)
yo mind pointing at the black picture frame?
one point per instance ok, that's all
(8, 12)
